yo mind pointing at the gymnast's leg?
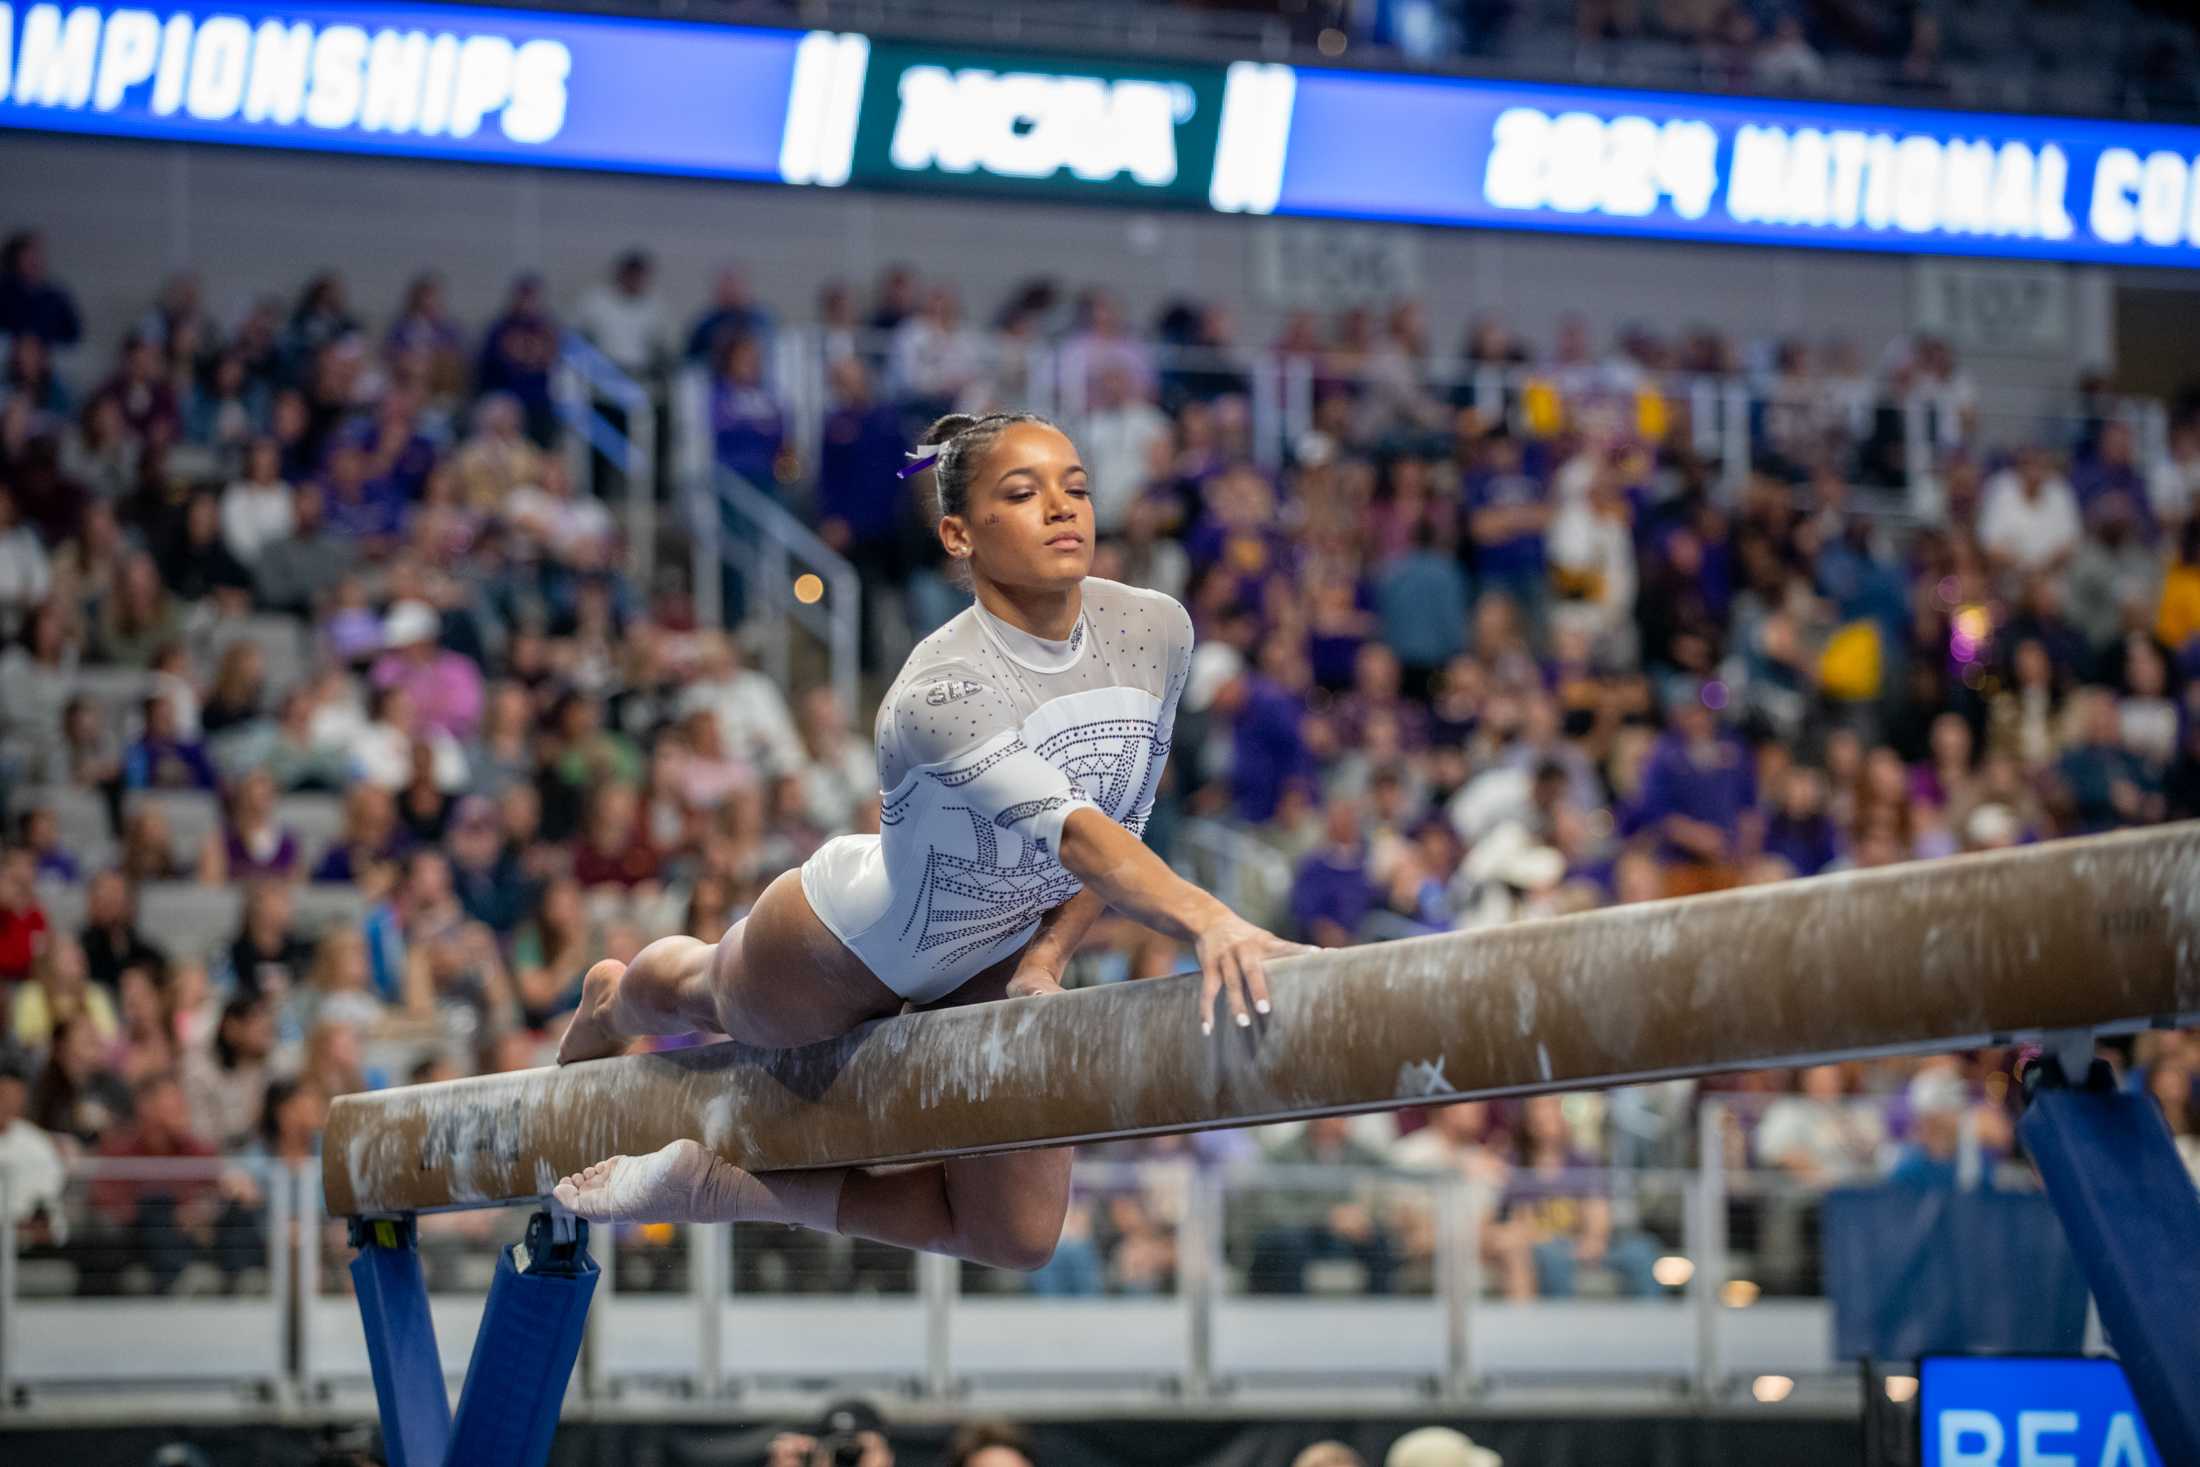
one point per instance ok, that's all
(1005, 1211)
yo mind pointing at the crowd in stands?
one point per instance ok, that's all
(311, 635)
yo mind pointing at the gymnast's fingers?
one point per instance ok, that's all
(1234, 960)
(1210, 984)
(1256, 982)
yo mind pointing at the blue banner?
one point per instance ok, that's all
(432, 81)
(2034, 1411)
(1745, 171)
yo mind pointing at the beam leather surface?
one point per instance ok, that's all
(2100, 932)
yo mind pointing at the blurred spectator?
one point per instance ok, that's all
(551, 951)
(626, 318)
(2030, 519)
(293, 571)
(32, 303)
(22, 919)
(2177, 617)
(31, 1161)
(424, 331)
(984, 1443)
(258, 507)
(140, 618)
(1328, 1454)
(753, 719)
(270, 958)
(1439, 1446)
(517, 355)
(1302, 1222)
(226, 1090)
(77, 1099)
(1124, 441)
(111, 940)
(166, 1223)
(1332, 892)
(197, 565)
(341, 986)
(1556, 1216)
(1821, 1136)
(444, 688)
(370, 836)
(1698, 787)
(935, 359)
(60, 991)
(161, 758)
(40, 834)
(25, 573)
(748, 425)
(734, 311)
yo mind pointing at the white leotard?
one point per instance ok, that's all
(986, 741)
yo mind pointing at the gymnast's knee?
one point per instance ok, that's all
(1021, 1245)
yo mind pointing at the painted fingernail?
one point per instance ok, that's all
(1245, 1021)
(1262, 1005)
(1206, 1026)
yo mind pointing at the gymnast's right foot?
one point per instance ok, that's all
(591, 1035)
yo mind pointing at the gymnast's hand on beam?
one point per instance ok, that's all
(1032, 980)
(1232, 957)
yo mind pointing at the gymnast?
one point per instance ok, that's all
(1018, 752)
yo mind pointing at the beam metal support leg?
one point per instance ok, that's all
(401, 1348)
(530, 1336)
(2130, 1211)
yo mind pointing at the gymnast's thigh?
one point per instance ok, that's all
(782, 978)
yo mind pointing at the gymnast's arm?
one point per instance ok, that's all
(1039, 970)
(1128, 876)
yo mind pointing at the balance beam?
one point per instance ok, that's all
(2101, 933)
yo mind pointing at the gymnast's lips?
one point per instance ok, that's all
(1067, 540)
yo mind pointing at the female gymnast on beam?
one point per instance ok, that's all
(1018, 753)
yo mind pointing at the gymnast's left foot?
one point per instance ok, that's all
(686, 1183)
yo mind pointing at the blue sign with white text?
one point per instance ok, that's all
(435, 81)
(2029, 1411)
(1746, 171)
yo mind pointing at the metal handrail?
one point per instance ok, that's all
(584, 376)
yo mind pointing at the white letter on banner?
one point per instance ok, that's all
(1630, 168)
(126, 55)
(1519, 144)
(1033, 120)
(1967, 186)
(1846, 202)
(1755, 186)
(1879, 181)
(2032, 1425)
(2162, 199)
(484, 82)
(397, 66)
(2011, 211)
(1688, 166)
(2115, 181)
(2122, 1448)
(175, 65)
(339, 83)
(1141, 132)
(218, 65)
(1956, 1426)
(281, 58)
(1808, 178)
(930, 115)
(2054, 178)
(58, 57)
(1917, 185)
(1576, 178)
(538, 92)
(435, 92)
(1082, 118)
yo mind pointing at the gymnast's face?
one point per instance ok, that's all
(1029, 520)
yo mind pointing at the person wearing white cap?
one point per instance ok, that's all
(445, 687)
(1439, 1446)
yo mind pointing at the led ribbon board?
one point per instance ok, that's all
(431, 81)
(1744, 171)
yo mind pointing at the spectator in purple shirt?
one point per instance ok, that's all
(366, 511)
(748, 426)
(253, 845)
(518, 353)
(2114, 469)
(1509, 513)
(30, 303)
(161, 758)
(1269, 732)
(1696, 789)
(1332, 893)
(1799, 831)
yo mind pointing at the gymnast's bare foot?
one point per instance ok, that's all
(590, 1034)
(681, 1183)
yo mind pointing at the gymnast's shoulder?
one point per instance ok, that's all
(1126, 609)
